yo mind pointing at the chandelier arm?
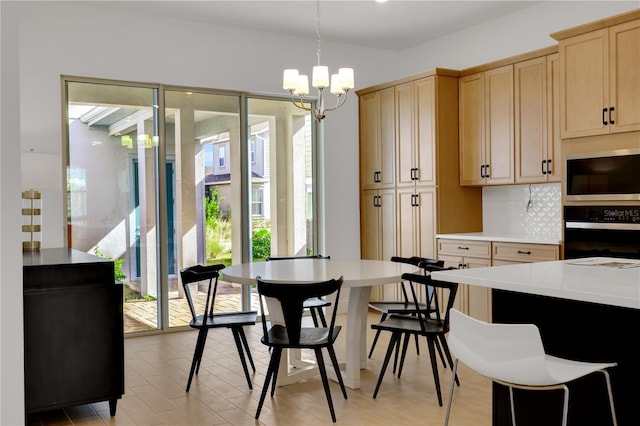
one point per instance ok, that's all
(340, 100)
(300, 104)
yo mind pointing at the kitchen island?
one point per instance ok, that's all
(586, 309)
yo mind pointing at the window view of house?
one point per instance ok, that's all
(155, 179)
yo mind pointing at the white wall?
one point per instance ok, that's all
(57, 38)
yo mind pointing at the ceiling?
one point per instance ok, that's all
(394, 25)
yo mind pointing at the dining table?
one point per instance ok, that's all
(359, 276)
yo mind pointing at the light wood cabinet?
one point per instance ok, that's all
(487, 127)
(428, 196)
(377, 134)
(378, 231)
(537, 130)
(416, 132)
(460, 253)
(523, 252)
(600, 78)
(463, 254)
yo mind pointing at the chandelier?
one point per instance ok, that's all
(298, 84)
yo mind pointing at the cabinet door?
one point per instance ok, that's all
(369, 225)
(584, 79)
(624, 66)
(405, 147)
(406, 222)
(554, 143)
(425, 133)
(425, 222)
(377, 226)
(472, 131)
(499, 125)
(530, 90)
(377, 139)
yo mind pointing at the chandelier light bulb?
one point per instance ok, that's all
(320, 78)
(290, 79)
(302, 88)
(336, 85)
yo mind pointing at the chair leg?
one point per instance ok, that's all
(267, 379)
(513, 411)
(336, 367)
(613, 409)
(393, 341)
(434, 367)
(447, 352)
(405, 345)
(236, 337)
(455, 371)
(439, 348)
(197, 353)
(375, 338)
(417, 344)
(276, 369)
(247, 351)
(565, 405)
(205, 332)
(325, 381)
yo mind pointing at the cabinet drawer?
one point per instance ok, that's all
(525, 252)
(464, 248)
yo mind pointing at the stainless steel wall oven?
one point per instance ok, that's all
(606, 231)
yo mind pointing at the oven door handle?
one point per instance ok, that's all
(613, 226)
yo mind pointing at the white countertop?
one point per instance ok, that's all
(485, 236)
(596, 280)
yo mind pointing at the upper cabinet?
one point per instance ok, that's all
(377, 133)
(537, 130)
(416, 132)
(486, 127)
(600, 77)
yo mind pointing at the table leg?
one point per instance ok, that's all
(356, 335)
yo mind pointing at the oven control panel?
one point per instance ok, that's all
(602, 214)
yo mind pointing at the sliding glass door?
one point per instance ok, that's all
(161, 178)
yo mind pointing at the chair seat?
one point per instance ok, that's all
(309, 337)
(225, 320)
(410, 324)
(391, 307)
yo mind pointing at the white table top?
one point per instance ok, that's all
(608, 281)
(354, 272)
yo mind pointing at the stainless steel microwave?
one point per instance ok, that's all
(607, 175)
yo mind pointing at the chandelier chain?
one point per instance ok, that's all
(319, 49)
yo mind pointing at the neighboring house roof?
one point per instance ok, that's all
(223, 178)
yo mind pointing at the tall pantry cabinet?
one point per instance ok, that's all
(402, 216)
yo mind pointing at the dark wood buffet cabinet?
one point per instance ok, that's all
(73, 330)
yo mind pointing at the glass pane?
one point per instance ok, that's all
(203, 145)
(112, 188)
(281, 162)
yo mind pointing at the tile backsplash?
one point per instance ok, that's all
(530, 210)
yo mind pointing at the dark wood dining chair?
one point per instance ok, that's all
(207, 319)
(315, 305)
(293, 335)
(433, 328)
(406, 305)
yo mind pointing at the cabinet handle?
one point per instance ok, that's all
(415, 198)
(604, 118)
(486, 171)
(482, 171)
(610, 117)
(544, 162)
(463, 248)
(375, 201)
(414, 174)
(549, 170)
(523, 252)
(376, 177)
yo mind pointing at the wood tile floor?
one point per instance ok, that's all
(157, 366)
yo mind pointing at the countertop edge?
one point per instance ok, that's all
(480, 236)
